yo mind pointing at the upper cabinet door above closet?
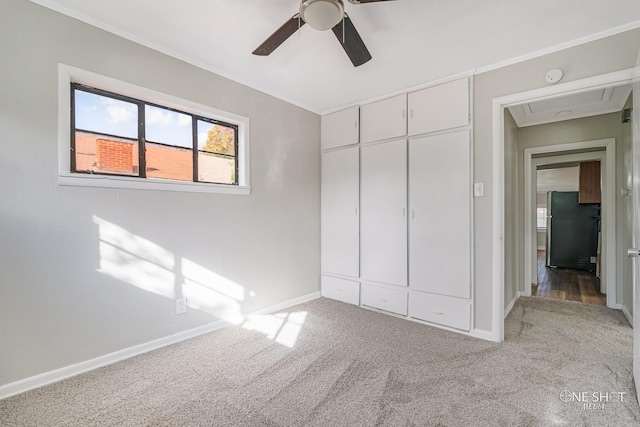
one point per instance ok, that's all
(383, 119)
(340, 128)
(445, 106)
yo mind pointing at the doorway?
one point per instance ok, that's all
(554, 155)
(568, 212)
(509, 248)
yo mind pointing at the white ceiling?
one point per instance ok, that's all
(412, 42)
(584, 104)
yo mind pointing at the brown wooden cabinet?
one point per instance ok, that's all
(589, 189)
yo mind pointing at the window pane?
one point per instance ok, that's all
(101, 114)
(168, 127)
(164, 161)
(541, 217)
(215, 138)
(105, 154)
(216, 168)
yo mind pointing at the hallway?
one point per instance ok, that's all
(567, 284)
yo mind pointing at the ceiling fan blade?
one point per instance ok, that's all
(350, 40)
(279, 36)
(366, 1)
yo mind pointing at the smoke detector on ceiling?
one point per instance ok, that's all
(553, 76)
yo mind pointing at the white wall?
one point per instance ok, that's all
(606, 55)
(61, 302)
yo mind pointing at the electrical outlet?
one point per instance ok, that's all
(181, 305)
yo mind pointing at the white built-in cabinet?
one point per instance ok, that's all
(440, 226)
(340, 129)
(384, 298)
(341, 289)
(340, 207)
(383, 222)
(340, 195)
(397, 205)
(384, 119)
(437, 108)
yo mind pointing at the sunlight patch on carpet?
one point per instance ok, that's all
(283, 328)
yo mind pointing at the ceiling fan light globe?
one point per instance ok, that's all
(322, 15)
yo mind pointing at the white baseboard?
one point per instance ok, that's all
(542, 248)
(285, 304)
(56, 375)
(485, 335)
(509, 307)
(615, 306)
(627, 314)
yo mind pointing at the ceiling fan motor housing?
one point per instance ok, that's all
(322, 15)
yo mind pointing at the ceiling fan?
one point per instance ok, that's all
(322, 15)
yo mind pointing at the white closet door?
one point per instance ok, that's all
(440, 226)
(340, 212)
(384, 218)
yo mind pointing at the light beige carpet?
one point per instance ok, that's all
(354, 367)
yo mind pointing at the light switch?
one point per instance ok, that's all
(478, 189)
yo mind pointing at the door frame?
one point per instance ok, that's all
(608, 161)
(635, 209)
(498, 177)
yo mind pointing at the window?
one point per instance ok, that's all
(541, 217)
(114, 134)
(117, 135)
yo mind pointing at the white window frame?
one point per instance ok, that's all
(538, 226)
(68, 74)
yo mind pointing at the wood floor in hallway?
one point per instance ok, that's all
(567, 284)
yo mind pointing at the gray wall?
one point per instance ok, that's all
(606, 55)
(60, 303)
(512, 221)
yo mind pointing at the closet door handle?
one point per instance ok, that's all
(632, 252)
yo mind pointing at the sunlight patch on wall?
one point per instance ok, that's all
(283, 328)
(199, 275)
(134, 260)
(211, 292)
(144, 264)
